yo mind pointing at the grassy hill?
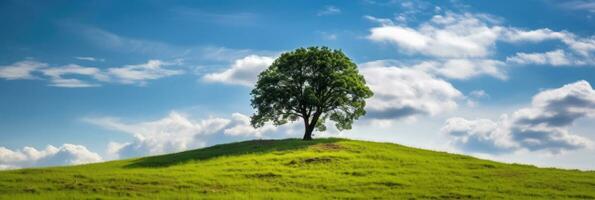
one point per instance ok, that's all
(295, 169)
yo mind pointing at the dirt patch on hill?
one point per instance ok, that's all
(312, 160)
(263, 175)
(327, 147)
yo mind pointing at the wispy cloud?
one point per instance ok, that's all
(192, 55)
(115, 42)
(21, 70)
(138, 74)
(329, 10)
(238, 18)
(586, 5)
(56, 75)
(88, 58)
(328, 35)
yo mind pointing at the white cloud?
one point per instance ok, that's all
(240, 126)
(537, 35)
(583, 46)
(403, 92)
(128, 74)
(381, 21)
(482, 135)
(21, 70)
(140, 74)
(329, 10)
(464, 68)
(542, 126)
(67, 154)
(178, 132)
(88, 58)
(555, 58)
(218, 54)
(173, 133)
(243, 72)
(56, 75)
(445, 36)
(580, 50)
(460, 46)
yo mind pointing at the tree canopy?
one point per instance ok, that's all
(314, 84)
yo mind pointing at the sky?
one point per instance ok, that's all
(91, 81)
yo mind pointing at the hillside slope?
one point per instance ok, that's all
(294, 169)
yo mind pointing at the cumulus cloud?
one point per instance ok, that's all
(329, 10)
(174, 132)
(482, 135)
(21, 70)
(240, 126)
(461, 45)
(178, 132)
(140, 74)
(403, 91)
(446, 36)
(67, 154)
(542, 126)
(242, 72)
(468, 35)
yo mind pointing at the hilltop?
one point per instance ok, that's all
(296, 169)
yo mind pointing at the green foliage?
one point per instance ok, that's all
(314, 84)
(296, 169)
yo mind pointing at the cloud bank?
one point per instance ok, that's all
(541, 126)
(67, 154)
(177, 132)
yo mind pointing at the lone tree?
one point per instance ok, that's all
(314, 84)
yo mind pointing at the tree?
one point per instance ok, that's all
(314, 84)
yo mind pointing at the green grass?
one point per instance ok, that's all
(295, 169)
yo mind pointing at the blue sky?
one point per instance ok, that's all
(86, 81)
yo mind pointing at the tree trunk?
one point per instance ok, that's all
(309, 126)
(308, 133)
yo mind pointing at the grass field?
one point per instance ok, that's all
(295, 169)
